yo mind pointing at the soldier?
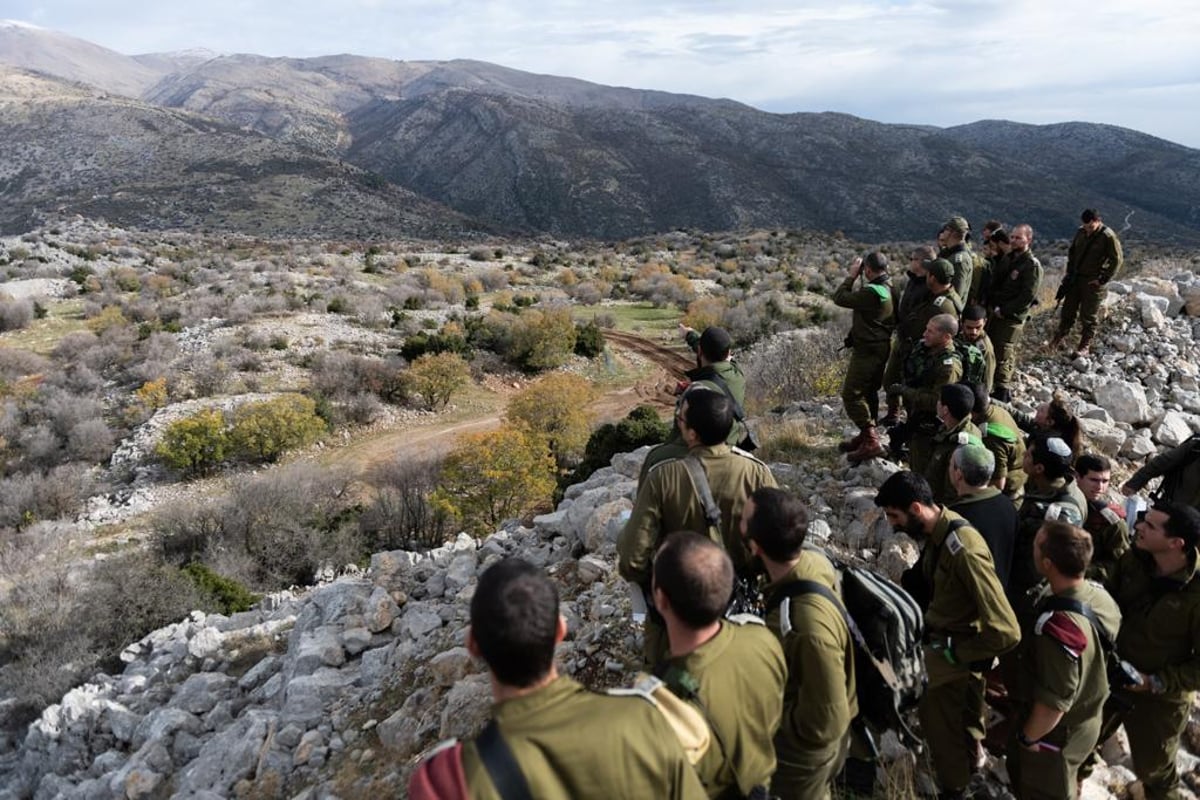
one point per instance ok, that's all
(909, 327)
(968, 624)
(561, 739)
(971, 331)
(982, 505)
(943, 297)
(1105, 521)
(981, 276)
(668, 499)
(1179, 469)
(954, 412)
(1093, 259)
(932, 364)
(1050, 494)
(820, 698)
(953, 242)
(714, 370)
(1012, 295)
(870, 342)
(1157, 588)
(1064, 680)
(1002, 436)
(732, 671)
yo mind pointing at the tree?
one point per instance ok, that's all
(555, 407)
(490, 477)
(195, 444)
(437, 376)
(542, 339)
(264, 431)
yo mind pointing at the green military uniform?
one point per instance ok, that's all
(1063, 675)
(667, 501)
(948, 302)
(820, 698)
(1060, 500)
(1002, 436)
(1110, 538)
(937, 469)
(964, 265)
(1160, 635)
(1091, 257)
(981, 279)
(870, 342)
(674, 447)
(989, 358)
(740, 673)
(970, 617)
(925, 373)
(1179, 469)
(1013, 292)
(571, 742)
(915, 294)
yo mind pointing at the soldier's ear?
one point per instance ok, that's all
(560, 632)
(472, 646)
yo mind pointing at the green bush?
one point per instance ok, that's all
(229, 596)
(419, 344)
(589, 340)
(641, 427)
(264, 431)
(196, 444)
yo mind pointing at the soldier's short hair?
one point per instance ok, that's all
(1069, 548)
(876, 261)
(1089, 215)
(514, 621)
(924, 253)
(903, 489)
(1053, 453)
(982, 398)
(696, 575)
(945, 323)
(779, 524)
(709, 413)
(991, 226)
(1092, 462)
(976, 463)
(1183, 522)
(974, 313)
(1000, 237)
(1027, 227)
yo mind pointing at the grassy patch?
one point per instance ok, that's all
(42, 335)
(637, 317)
(796, 441)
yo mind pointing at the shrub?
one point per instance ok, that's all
(226, 594)
(400, 514)
(15, 314)
(490, 477)
(436, 377)
(589, 340)
(542, 339)
(266, 430)
(806, 365)
(641, 427)
(26, 499)
(184, 532)
(554, 407)
(419, 344)
(195, 444)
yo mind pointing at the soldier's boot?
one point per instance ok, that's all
(1056, 341)
(851, 444)
(869, 448)
(892, 417)
(1084, 348)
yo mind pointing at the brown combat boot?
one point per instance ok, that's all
(851, 444)
(1084, 347)
(870, 447)
(892, 417)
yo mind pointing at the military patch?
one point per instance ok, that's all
(1059, 626)
(1110, 515)
(962, 438)
(939, 301)
(954, 544)
(745, 619)
(1064, 512)
(948, 361)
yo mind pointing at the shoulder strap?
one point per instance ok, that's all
(1073, 605)
(501, 765)
(738, 413)
(712, 512)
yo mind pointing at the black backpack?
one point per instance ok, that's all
(1121, 674)
(887, 627)
(974, 366)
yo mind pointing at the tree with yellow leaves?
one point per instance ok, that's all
(555, 408)
(436, 377)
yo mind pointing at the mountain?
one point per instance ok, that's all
(540, 153)
(33, 48)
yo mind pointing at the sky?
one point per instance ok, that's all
(1134, 63)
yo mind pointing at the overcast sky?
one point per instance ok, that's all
(1134, 63)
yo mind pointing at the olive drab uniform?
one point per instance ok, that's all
(1060, 500)
(964, 264)
(820, 698)
(925, 373)
(1063, 668)
(968, 624)
(572, 742)
(707, 376)
(945, 442)
(870, 342)
(915, 295)
(1013, 293)
(1179, 469)
(1002, 436)
(738, 679)
(667, 501)
(1091, 257)
(1160, 635)
(989, 357)
(1110, 537)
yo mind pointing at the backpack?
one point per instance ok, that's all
(974, 366)
(887, 627)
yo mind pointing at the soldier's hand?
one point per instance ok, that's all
(855, 267)
(1128, 490)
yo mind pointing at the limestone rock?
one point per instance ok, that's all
(1125, 400)
(1172, 430)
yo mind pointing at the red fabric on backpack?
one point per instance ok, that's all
(440, 777)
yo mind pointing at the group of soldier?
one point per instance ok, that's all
(1033, 595)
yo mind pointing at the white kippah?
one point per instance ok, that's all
(1058, 447)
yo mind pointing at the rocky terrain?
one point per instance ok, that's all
(535, 153)
(337, 690)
